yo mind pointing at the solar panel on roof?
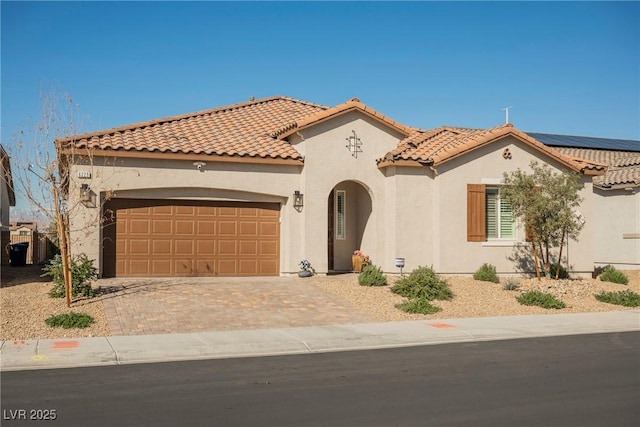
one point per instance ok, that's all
(586, 142)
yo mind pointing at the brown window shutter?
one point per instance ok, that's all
(476, 213)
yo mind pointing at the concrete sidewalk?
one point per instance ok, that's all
(116, 350)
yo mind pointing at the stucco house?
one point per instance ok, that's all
(7, 199)
(256, 187)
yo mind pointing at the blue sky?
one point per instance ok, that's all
(565, 67)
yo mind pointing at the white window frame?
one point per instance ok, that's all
(499, 219)
(341, 227)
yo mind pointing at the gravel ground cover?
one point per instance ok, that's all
(24, 302)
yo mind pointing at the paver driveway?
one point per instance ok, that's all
(177, 305)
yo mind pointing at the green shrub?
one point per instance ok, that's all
(610, 274)
(372, 276)
(419, 306)
(486, 273)
(625, 298)
(69, 320)
(511, 284)
(82, 270)
(564, 274)
(423, 283)
(540, 299)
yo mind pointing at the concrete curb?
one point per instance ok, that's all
(118, 350)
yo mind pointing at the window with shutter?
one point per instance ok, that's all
(488, 216)
(500, 220)
(476, 214)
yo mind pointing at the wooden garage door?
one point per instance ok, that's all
(160, 238)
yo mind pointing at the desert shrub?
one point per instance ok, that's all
(626, 298)
(419, 306)
(540, 299)
(82, 270)
(69, 320)
(564, 274)
(511, 284)
(372, 276)
(486, 273)
(423, 283)
(610, 274)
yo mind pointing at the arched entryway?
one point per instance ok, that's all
(349, 209)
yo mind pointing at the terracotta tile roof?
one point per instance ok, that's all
(623, 167)
(239, 130)
(445, 143)
(353, 104)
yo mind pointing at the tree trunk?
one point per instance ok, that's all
(65, 255)
(535, 258)
(560, 254)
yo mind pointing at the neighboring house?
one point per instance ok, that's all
(7, 199)
(27, 232)
(253, 188)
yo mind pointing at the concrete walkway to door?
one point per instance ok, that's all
(196, 304)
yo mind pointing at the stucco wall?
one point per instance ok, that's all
(179, 179)
(617, 238)
(328, 163)
(4, 205)
(486, 165)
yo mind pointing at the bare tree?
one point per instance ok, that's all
(42, 175)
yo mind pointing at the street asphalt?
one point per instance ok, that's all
(118, 350)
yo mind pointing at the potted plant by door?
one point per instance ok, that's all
(306, 270)
(359, 261)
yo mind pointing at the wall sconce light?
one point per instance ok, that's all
(298, 200)
(87, 196)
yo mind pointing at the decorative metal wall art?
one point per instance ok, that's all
(354, 145)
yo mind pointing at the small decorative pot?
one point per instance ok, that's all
(305, 273)
(356, 263)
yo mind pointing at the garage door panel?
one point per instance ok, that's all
(161, 247)
(161, 267)
(227, 267)
(184, 227)
(139, 247)
(162, 210)
(269, 213)
(139, 226)
(248, 267)
(139, 267)
(184, 247)
(182, 267)
(185, 210)
(140, 212)
(249, 229)
(206, 228)
(162, 226)
(205, 247)
(209, 211)
(227, 247)
(204, 268)
(227, 228)
(248, 212)
(268, 229)
(227, 212)
(184, 238)
(249, 247)
(268, 248)
(266, 267)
